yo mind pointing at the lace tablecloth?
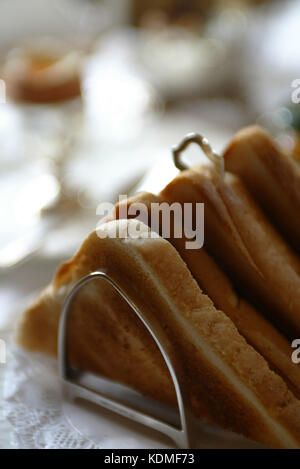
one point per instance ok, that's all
(33, 406)
(36, 417)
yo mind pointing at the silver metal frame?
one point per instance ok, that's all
(204, 145)
(77, 383)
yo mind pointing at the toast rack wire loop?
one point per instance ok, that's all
(204, 145)
(76, 383)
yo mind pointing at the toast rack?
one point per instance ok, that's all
(177, 424)
(194, 137)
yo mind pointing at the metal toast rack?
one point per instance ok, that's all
(176, 424)
(179, 424)
(203, 143)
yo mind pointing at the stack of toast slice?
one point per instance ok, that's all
(229, 308)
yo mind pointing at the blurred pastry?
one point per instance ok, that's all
(228, 381)
(272, 178)
(44, 73)
(244, 242)
(257, 330)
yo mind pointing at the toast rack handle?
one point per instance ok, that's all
(183, 437)
(194, 137)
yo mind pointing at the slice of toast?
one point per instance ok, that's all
(272, 178)
(244, 242)
(229, 382)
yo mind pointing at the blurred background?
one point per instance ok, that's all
(94, 93)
